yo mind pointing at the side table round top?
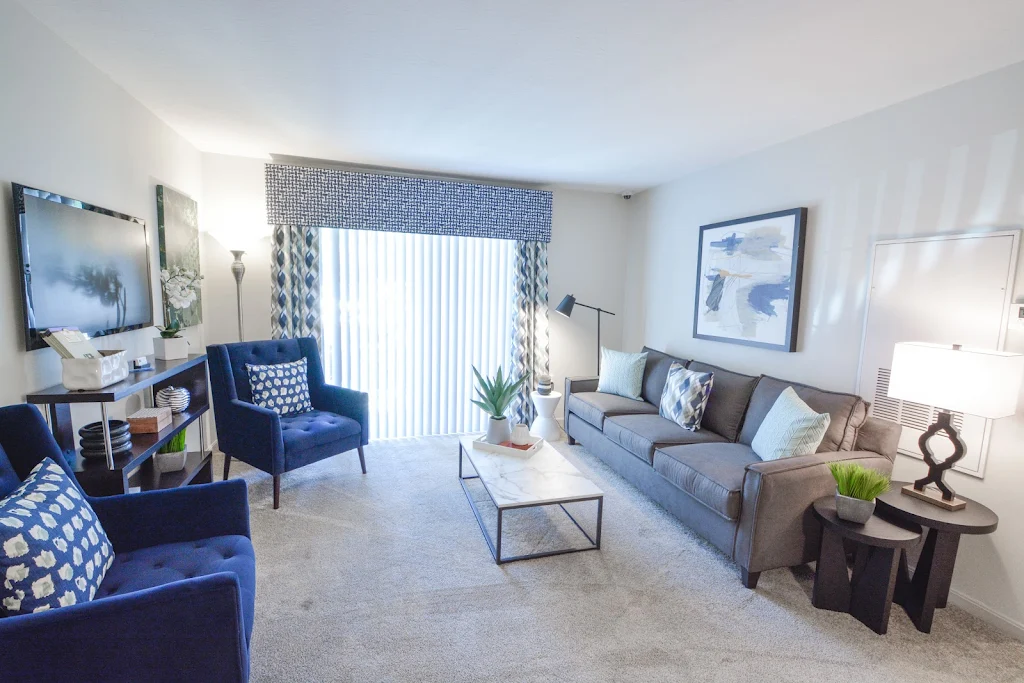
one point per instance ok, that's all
(973, 519)
(875, 532)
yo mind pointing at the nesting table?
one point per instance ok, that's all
(927, 589)
(513, 482)
(880, 545)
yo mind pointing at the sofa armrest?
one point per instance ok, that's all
(575, 385)
(880, 436)
(776, 526)
(252, 434)
(188, 513)
(347, 402)
(189, 630)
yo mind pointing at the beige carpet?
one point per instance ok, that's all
(386, 577)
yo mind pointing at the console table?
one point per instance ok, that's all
(121, 473)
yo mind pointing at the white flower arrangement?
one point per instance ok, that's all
(181, 286)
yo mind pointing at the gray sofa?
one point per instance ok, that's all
(756, 512)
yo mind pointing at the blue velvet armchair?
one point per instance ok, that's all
(339, 421)
(176, 605)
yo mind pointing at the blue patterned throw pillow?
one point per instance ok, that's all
(53, 550)
(282, 387)
(685, 396)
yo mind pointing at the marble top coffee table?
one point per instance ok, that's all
(512, 482)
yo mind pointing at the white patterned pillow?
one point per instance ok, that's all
(622, 373)
(282, 387)
(53, 549)
(685, 396)
(790, 428)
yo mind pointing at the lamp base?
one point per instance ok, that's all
(932, 495)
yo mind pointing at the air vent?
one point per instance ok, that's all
(913, 415)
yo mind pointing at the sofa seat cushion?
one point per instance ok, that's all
(847, 412)
(711, 472)
(728, 402)
(315, 428)
(593, 406)
(641, 434)
(137, 570)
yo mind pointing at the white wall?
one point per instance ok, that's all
(948, 161)
(68, 128)
(586, 257)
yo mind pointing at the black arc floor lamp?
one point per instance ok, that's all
(565, 308)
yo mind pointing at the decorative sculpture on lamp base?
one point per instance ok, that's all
(942, 495)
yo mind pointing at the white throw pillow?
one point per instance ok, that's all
(622, 373)
(790, 428)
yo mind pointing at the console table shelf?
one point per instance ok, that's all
(100, 478)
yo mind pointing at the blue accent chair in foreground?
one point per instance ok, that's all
(339, 421)
(176, 605)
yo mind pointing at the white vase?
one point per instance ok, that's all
(498, 430)
(170, 349)
(520, 435)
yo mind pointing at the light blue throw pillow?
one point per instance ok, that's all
(790, 428)
(622, 373)
(685, 396)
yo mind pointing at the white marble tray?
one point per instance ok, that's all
(536, 443)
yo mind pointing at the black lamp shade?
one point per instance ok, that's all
(565, 308)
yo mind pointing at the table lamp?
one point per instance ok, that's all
(953, 379)
(565, 308)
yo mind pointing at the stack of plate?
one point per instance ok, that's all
(92, 439)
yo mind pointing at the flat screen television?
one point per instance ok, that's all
(81, 266)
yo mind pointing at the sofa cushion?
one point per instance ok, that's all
(711, 472)
(847, 411)
(655, 373)
(728, 401)
(593, 406)
(315, 428)
(641, 434)
(162, 564)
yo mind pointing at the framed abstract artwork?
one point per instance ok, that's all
(748, 280)
(178, 222)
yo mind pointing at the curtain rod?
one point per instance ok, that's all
(407, 173)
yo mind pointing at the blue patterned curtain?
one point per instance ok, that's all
(529, 322)
(295, 283)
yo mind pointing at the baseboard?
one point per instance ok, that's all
(1010, 627)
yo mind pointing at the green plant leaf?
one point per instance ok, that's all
(856, 481)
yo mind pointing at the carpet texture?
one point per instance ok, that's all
(386, 577)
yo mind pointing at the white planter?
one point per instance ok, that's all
(170, 349)
(169, 462)
(498, 430)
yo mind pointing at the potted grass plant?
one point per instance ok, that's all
(856, 489)
(171, 456)
(496, 395)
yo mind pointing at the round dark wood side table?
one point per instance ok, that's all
(868, 593)
(928, 588)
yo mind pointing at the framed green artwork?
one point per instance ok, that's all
(178, 222)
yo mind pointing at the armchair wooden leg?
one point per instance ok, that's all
(227, 466)
(362, 460)
(277, 491)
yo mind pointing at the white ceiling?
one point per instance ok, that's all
(597, 93)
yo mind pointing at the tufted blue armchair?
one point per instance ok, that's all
(178, 602)
(259, 436)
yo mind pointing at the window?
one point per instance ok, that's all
(405, 316)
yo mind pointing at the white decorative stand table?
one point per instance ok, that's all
(545, 425)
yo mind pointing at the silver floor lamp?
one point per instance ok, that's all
(238, 270)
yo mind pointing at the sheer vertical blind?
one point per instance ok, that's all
(405, 316)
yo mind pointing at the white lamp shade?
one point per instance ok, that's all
(972, 381)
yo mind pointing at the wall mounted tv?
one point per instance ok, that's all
(81, 266)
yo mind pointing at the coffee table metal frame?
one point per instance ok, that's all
(495, 545)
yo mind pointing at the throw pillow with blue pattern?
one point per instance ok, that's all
(685, 396)
(53, 550)
(282, 387)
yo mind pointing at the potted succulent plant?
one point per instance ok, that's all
(171, 456)
(856, 489)
(495, 397)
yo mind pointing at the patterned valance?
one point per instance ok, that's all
(332, 198)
